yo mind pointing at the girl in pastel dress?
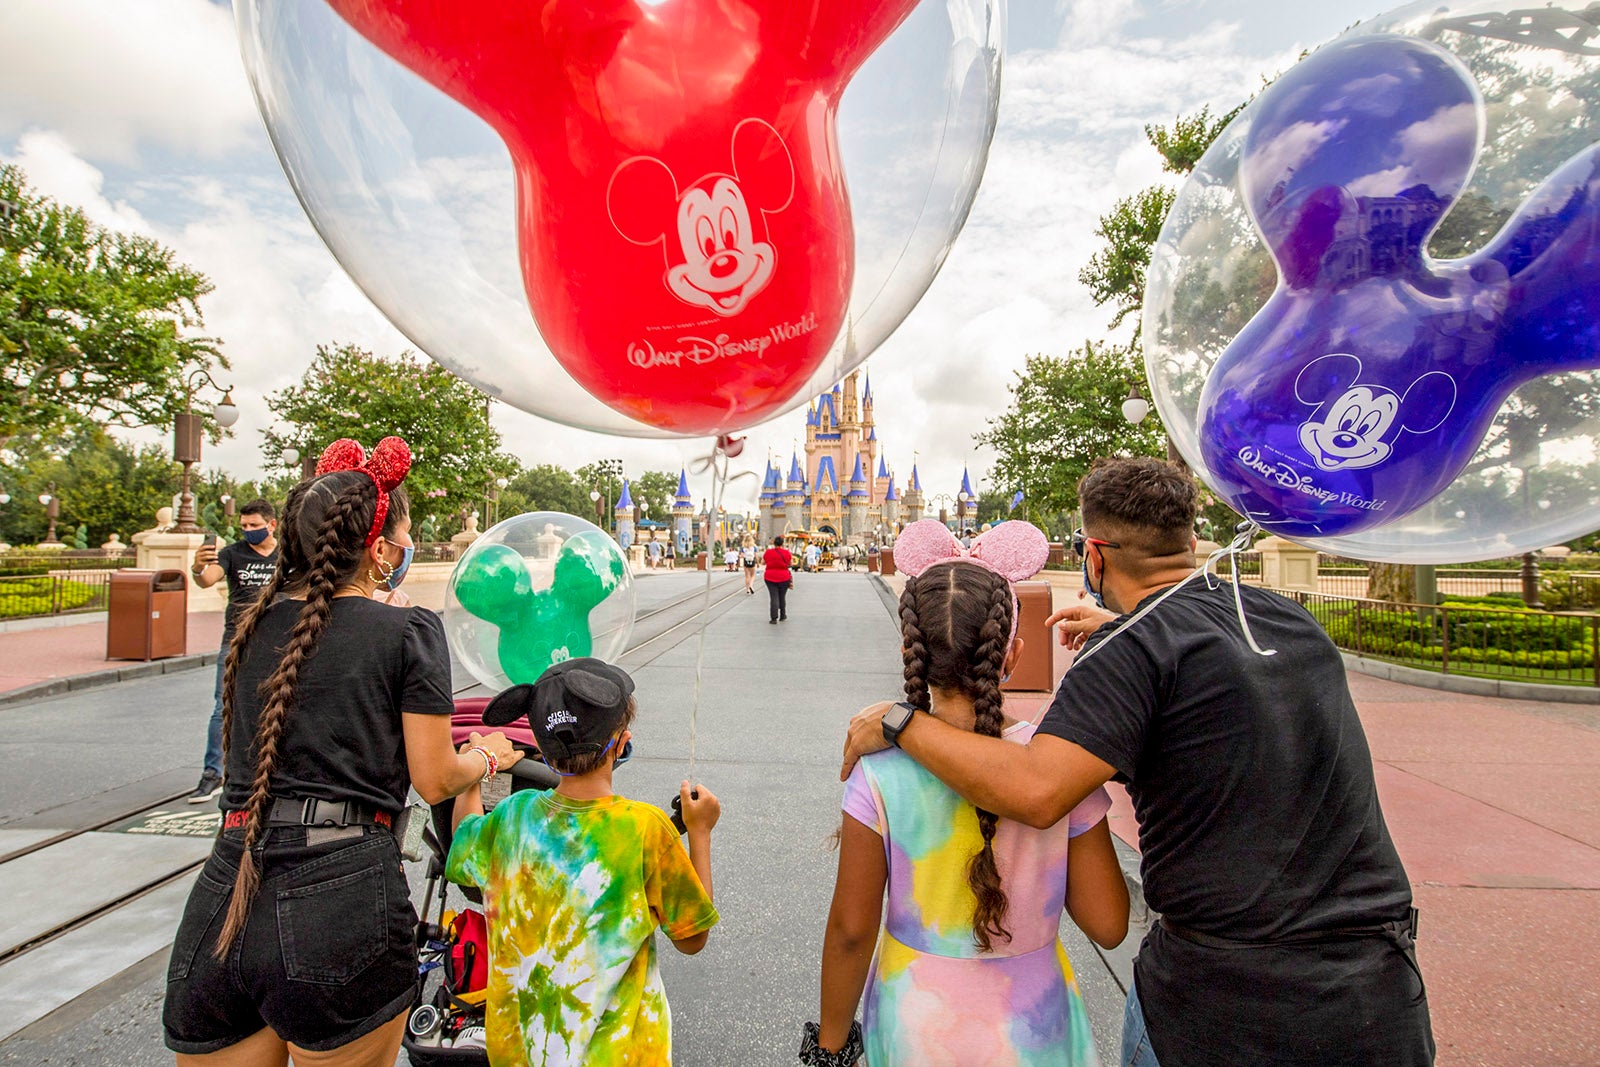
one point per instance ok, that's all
(967, 967)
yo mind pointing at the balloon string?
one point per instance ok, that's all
(1246, 533)
(719, 488)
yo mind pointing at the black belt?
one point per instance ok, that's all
(309, 811)
(1402, 934)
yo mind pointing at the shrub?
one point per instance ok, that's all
(37, 596)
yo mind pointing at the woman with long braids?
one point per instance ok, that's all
(969, 969)
(298, 937)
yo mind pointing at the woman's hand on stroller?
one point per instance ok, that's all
(496, 743)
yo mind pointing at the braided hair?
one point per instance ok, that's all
(954, 623)
(325, 523)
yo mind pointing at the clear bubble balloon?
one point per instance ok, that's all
(1369, 320)
(534, 590)
(637, 218)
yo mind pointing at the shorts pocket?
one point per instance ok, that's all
(331, 931)
(200, 918)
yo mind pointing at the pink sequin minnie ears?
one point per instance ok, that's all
(1014, 550)
(388, 466)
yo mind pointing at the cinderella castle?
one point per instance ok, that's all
(845, 488)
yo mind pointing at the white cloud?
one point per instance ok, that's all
(53, 168)
(111, 76)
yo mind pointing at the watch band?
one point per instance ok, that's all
(895, 720)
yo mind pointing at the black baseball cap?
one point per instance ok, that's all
(575, 708)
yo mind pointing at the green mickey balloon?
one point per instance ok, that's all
(539, 628)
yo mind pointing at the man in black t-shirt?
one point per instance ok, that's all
(1284, 935)
(247, 565)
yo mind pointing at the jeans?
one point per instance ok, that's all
(214, 731)
(778, 599)
(1136, 1050)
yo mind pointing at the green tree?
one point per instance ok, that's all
(546, 487)
(102, 483)
(1065, 414)
(349, 392)
(655, 490)
(95, 326)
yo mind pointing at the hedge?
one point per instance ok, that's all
(38, 596)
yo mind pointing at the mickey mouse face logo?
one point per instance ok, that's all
(720, 261)
(1351, 432)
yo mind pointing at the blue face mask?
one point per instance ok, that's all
(256, 537)
(1087, 588)
(398, 575)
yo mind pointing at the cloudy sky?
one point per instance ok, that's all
(140, 113)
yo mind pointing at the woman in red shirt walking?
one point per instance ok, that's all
(779, 578)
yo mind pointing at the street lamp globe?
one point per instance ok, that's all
(1136, 407)
(226, 412)
(291, 456)
(594, 496)
(44, 499)
(501, 483)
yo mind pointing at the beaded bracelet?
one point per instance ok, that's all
(490, 764)
(813, 1054)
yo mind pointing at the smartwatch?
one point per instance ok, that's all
(895, 720)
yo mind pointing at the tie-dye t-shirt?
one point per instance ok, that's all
(573, 891)
(933, 998)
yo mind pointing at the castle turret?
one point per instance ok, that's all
(794, 496)
(624, 514)
(683, 513)
(966, 501)
(856, 526)
(891, 508)
(769, 495)
(913, 503)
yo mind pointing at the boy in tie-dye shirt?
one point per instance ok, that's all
(576, 881)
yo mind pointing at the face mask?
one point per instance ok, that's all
(1087, 588)
(398, 575)
(256, 537)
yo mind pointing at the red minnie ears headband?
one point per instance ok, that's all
(387, 467)
(1014, 550)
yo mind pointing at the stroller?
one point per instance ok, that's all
(446, 1026)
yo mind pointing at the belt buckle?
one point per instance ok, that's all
(309, 813)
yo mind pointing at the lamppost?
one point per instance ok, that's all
(1135, 408)
(493, 503)
(607, 469)
(961, 510)
(5, 498)
(187, 433)
(52, 512)
(944, 500)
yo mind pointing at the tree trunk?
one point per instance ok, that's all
(1394, 582)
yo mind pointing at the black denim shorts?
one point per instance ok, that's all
(328, 953)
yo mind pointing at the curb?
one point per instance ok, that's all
(94, 679)
(1470, 686)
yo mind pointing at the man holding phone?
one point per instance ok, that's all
(247, 564)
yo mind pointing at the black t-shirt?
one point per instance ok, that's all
(342, 738)
(247, 571)
(1259, 819)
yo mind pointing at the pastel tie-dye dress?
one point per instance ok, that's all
(933, 998)
(573, 891)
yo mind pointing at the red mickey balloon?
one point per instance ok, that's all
(685, 232)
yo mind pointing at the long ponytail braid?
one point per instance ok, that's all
(988, 709)
(336, 551)
(954, 621)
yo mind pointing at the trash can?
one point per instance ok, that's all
(1032, 672)
(148, 615)
(701, 561)
(886, 562)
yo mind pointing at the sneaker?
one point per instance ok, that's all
(210, 785)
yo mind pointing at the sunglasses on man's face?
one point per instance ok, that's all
(1080, 542)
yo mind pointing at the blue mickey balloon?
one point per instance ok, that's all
(1373, 373)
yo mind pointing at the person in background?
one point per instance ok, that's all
(779, 578)
(247, 565)
(747, 555)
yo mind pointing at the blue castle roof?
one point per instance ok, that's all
(872, 434)
(827, 478)
(893, 493)
(811, 415)
(858, 476)
(796, 475)
(883, 467)
(770, 483)
(966, 485)
(626, 499)
(916, 480)
(683, 486)
(825, 403)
